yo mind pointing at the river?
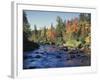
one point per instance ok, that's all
(51, 56)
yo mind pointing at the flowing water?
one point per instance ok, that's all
(50, 56)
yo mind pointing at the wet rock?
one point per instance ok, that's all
(68, 59)
(32, 60)
(58, 56)
(64, 48)
(38, 56)
(41, 53)
(60, 53)
(37, 52)
(45, 51)
(72, 56)
(78, 55)
(74, 51)
(71, 52)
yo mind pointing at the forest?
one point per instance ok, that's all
(73, 33)
(66, 44)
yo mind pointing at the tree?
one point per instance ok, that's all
(43, 34)
(34, 36)
(35, 29)
(59, 26)
(84, 22)
(51, 34)
(68, 26)
(26, 25)
(27, 45)
(75, 25)
(60, 30)
(85, 17)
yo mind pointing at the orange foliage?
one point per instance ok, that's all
(72, 27)
(51, 34)
(75, 25)
(68, 26)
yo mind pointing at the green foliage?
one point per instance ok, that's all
(71, 33)
(27, 45)
(60, 27)
(78, 31)
(73, 43)
(60, 30)
(43, 34)
(26, 25)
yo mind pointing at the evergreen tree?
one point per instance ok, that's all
(26, 25)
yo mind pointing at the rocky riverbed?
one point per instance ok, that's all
(50, 56)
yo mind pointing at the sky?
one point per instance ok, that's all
(46, 18)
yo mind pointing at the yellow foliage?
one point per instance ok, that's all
(51, 34)
(87, 39)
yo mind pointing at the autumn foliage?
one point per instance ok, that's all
(72, 26)
(51, 34)
(70, 32)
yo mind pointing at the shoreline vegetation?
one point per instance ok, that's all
(73, 33)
